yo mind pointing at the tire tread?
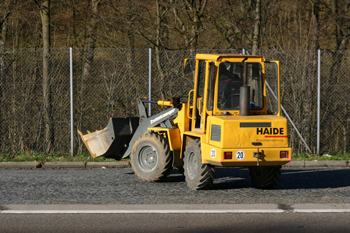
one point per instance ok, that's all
(163, 144)
(268, 179)
(205, 176)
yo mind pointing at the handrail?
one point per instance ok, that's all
(189, 104)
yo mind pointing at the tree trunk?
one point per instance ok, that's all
(88, 60)
(91, 40)
(158, 45)
(256, 35)
(315, 18)
(48, 121)
(194, 11)
(3, 29)
(2, 73)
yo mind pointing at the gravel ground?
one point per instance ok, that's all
(121, 186)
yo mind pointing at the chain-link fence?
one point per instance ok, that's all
(108, 82)
(335, 101)
(23, 122)
(298, 94)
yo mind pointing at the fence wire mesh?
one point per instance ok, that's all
(23, 122)
(335, 96)
(107, 85)
(298, 94)
(108, 82)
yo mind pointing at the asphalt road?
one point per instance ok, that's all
(121, 186)
(285, 222)
(103, 188)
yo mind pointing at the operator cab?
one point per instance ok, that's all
(231, 79)
(221, 81)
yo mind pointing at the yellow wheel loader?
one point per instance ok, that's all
(225, 122)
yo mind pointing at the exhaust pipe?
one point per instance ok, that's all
(244, 100)
(244, 93)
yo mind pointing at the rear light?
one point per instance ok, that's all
(227, 155)
(283, 154)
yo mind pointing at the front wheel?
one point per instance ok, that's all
(151, 159)
(265, 177)
(198, 175)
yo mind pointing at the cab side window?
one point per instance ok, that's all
(211, 86)
(201, 78)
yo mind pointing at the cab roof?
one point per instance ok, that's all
(218, 57)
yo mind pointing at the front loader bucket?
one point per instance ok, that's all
(112, 141)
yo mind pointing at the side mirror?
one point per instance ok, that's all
(189, 66)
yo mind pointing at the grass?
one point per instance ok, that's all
(65, 157)
(52, 157)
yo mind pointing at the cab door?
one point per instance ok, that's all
(199, 97)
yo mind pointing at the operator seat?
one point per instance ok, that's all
(229, 85)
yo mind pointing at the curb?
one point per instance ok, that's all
(317, 163)
(63, 165)
(295, 164)
(335, 163)
(122, 164)
(20, 165)
(126, 164)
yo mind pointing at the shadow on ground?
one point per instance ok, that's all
(291, 178)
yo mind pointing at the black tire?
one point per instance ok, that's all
(198, 175)
(151, 159)
(265, 177)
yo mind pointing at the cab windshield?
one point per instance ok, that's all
(230, 81)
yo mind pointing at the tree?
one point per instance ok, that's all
(44, 8)
(89, 53)
(315, 17)
(3, 29)
(256, 34)
(188, 16)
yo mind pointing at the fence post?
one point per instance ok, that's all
(71, 102)
(150, 81)
(318, 100)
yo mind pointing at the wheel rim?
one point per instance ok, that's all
(147, 158)
(192, 165)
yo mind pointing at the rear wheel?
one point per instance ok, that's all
(265, 177)
(198, 175)
(151, 159)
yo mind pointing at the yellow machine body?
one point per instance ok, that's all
(224, 122)
(221, 130)
(244, 135)
(225, 131)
